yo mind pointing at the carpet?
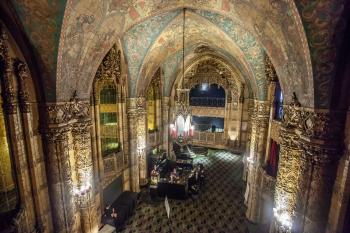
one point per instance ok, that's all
(218, 208)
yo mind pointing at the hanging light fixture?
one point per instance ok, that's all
(182, 130)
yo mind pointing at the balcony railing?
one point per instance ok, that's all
(113, 167)
(209, 139)
(207, 101)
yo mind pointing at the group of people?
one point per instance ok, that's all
(174, 176)
(110, 216)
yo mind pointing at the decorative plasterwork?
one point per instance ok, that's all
(65, 112)
(211, 71)
(172, 67)
(110, 66)
(276, 131)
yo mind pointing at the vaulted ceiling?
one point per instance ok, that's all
(302, 40)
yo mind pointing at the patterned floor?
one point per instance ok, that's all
(219, 207)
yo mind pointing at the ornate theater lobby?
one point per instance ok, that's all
(218, 208)
(176, 116)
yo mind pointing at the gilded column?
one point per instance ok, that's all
(98, 180)
(125, 141)
(141, 145)
(310, 149)
(60, 178)
(228, 115)
(240, 114)
(137, 139)
(85, 190)
(59, 167)
(289, 170)
(321, 141)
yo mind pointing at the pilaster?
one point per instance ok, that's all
(85, 175)
(61, 118)
(37, 177)
(16, 136)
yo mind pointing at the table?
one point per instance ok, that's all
(173, 190)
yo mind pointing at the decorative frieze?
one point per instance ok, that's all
(58, 113)
(136, 105)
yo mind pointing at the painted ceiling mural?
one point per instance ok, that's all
(198, 30)
(91, 27)
(139, 39)
(112, 17)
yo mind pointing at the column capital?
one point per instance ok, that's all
(65, 112)
(321, 126)
(262, 108)
(136, 106)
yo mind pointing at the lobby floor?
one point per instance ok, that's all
(218, 208)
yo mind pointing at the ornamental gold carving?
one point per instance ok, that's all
(270, 70)
(322, 125)
(65, 112)
(136, 104)
(110, 66)
(57, 134)
(212, 71)
(310, 148)
(275, 133)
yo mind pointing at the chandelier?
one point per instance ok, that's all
(181, 130)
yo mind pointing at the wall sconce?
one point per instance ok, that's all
(250, 160)
(82, 195)
(284, 220)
